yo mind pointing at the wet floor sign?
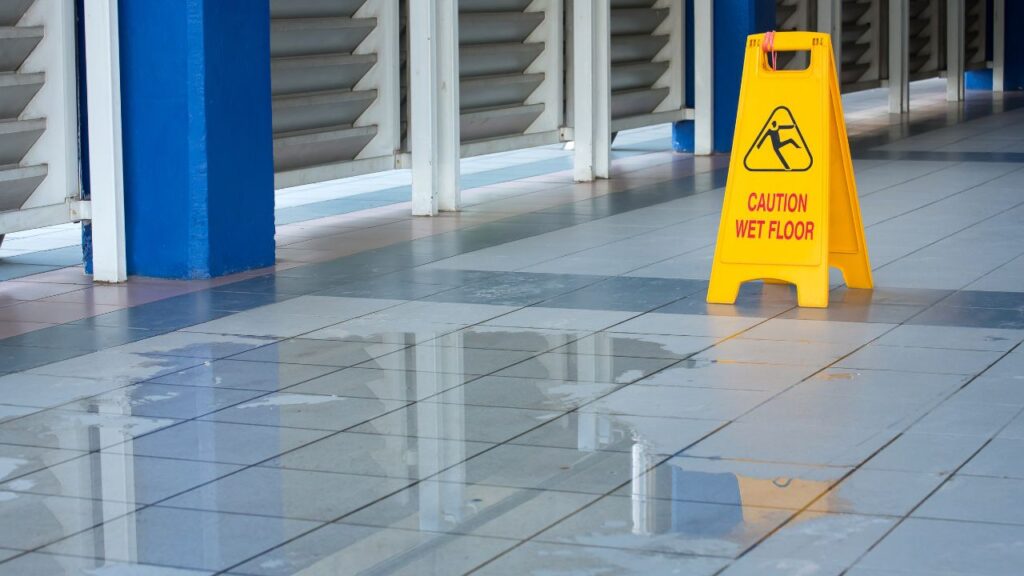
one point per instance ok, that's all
(791, 206)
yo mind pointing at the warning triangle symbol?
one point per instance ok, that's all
(779, 146)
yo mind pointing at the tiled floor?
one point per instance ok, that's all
(536, 386)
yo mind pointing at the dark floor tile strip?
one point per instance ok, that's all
(183, 311)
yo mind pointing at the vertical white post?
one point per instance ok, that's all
(955, 50)
(899, 58)
(703, 77)
(434, 95)
(103, 83)
(998, 45)
(830, 21)
(592, 92)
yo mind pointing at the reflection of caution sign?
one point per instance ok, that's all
(791, 209)
(779, 146)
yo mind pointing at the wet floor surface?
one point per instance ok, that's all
(549, 394)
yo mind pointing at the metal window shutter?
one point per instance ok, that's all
(322, 89)
(38, 119)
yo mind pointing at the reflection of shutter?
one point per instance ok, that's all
(38, 124)
(975, 35)
(509, 72)
(323, 55)
(646, 53)
(862, 34)
(927, 56)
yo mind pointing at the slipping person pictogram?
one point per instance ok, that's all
(779, 146)
(777, 142)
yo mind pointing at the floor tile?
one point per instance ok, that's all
(590, 431)
(28, 521)
(832, 332)
(18, 358)
(703, 373)
(687, 325)
(8, 413)
(457, 422)
(472, 509)
(678, 402)
(639, 345)
(1000, 458)
(846, 312)
(124, 478)
(967, 418)
(17, 461)
(815, 354)
(627, 294)
(48, 391)
(161, 401)
(312, 411)
(813, 543)
(343, 550)
(40, 564)
(385, 330)
(882, 384)
(259, 322)
(541, 558)
(932, 453)
(379, 455)
(937, 546)
(813, 408)
(879, 492)
(953, 338)
(994, 390)
(543, 468)
(586, 368)
(476, 361)
(926, 360)
(977, 499)
(442, 312)
(184, 538)
(781, 442)
(666, 526)
(113, 364)
(507, 338)
(194, 345)
(285, 493)
(222, 442)
(561, 319)
(77, 430)
(318, 352)
(383, 384)
(245, 375)
(534, 393)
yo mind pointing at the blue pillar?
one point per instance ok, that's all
(734, 20)
(198, 143)
(1013, 78)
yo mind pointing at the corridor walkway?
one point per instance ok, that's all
(536, 386)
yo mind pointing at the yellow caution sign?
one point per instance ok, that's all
(791, 207)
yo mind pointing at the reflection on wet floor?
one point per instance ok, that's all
(592, 449)
(548, 421)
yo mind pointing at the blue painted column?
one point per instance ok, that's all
(734, 20)
(1013, 73)
(198, 143)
